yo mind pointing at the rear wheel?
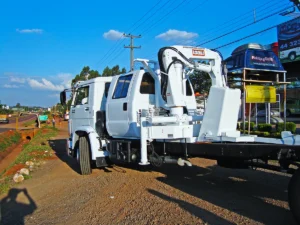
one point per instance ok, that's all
(292, 56)
(84, 156)
(294, 197)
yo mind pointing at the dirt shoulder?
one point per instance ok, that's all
(202, 194)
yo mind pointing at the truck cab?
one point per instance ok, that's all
(128, 95)
(89, 97)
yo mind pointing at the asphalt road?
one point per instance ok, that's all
(12, 123)
(4, 129)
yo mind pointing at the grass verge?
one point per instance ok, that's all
(9, 138)
(29, 123)
(36, 151)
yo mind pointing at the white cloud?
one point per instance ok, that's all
(176, 35)
(66, 79)
(17, 80)
(63, 81)
(113, 35)
(29, 31)
(10, 86)
(45, 84)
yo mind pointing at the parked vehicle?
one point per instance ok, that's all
(261, 116)
(292, 107)
(4, 118)
(291, 54)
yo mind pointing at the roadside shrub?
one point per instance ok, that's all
(266, 134)
(264, 127)
(252, 124)
(276, 135)
(290, 126)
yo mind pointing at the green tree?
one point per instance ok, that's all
(123, 70)
(201, 82)
(86, 73)
(115, 70)
(18, 105)
(107, 72)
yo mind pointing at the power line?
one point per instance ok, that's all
(117, 56)
(212, 32)
(146, 14)
(247, 25)
(251, 35)
(190, 11)
(113, 49)
(244, 14)
(163, 16)
(262, 8)
(155, 23)
(153, 14)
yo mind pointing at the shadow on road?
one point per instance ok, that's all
(201, 213)
(13, 212)
(59, 146)
(257, 195)
(247, 193)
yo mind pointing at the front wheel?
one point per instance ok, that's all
(294, 197)
(84, 156)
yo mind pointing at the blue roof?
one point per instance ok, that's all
(255, 57)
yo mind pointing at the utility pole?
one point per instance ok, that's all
(132, 47)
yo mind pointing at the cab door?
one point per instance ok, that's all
(81, 110)
(117, 107)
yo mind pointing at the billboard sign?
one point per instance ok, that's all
(289, 40)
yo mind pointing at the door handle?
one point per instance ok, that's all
(86, 109)
(125, 106)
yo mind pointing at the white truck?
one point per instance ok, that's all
(290, 54)
(149, 116)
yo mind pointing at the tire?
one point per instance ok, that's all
(292, 56)
(84, 156)
(294, 197)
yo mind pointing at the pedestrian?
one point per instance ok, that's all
(53, 122)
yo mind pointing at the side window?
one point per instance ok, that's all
(188, 88)
(241, 63)
(147, 84)
(106, 89)
(82, 96)
(229, 64)
(122, 87)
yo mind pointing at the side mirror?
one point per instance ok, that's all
(63, 98)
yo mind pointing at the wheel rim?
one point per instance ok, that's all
(292, 57)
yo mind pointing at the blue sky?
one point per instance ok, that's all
(44, 44)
